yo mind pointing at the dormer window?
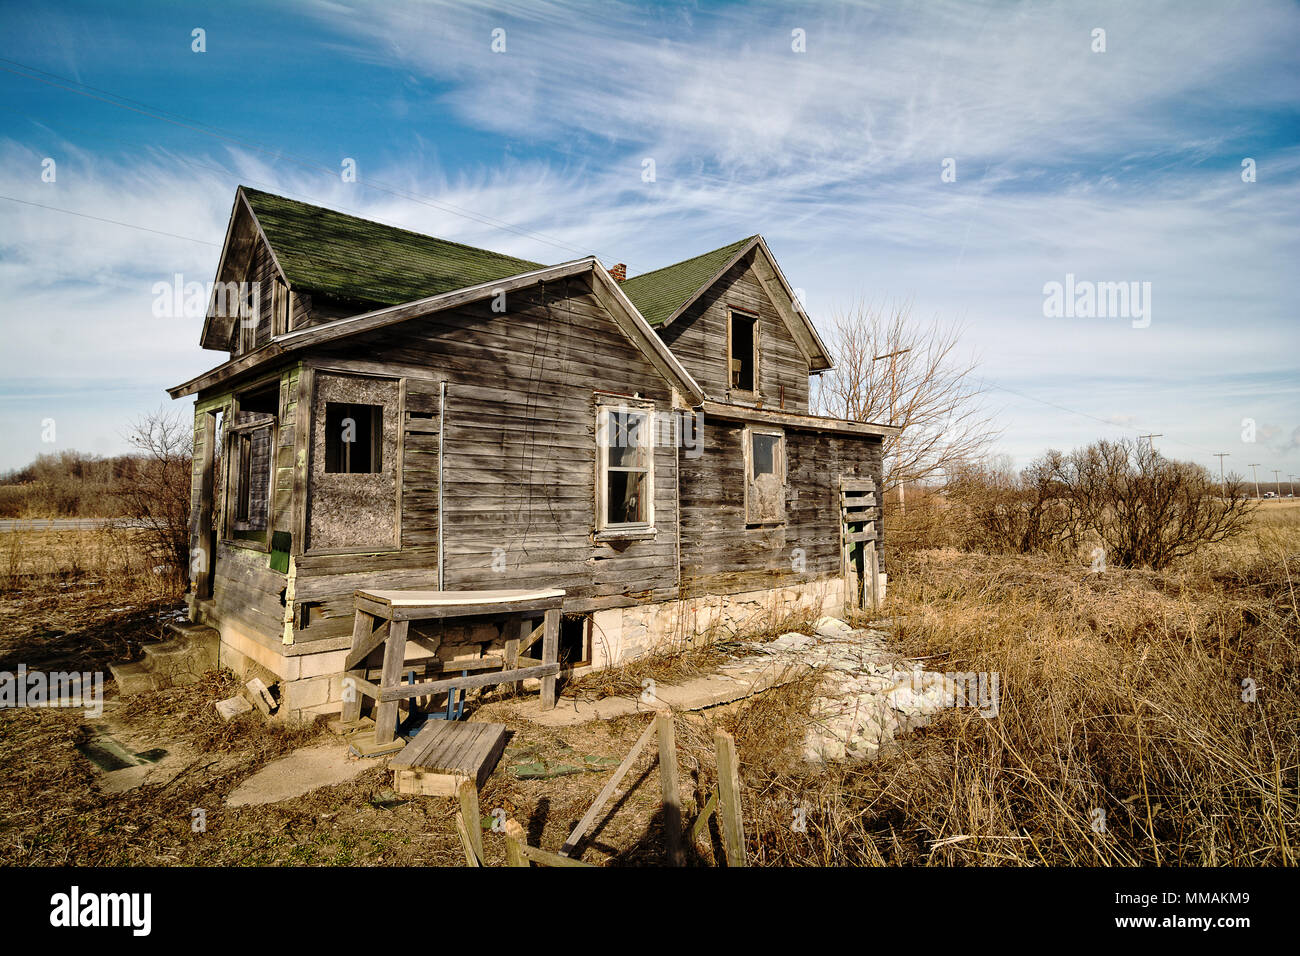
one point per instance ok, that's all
(742, 351)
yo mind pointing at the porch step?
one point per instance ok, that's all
(182, 659)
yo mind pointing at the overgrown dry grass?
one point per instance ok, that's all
(1122, 739)
(1120, 692)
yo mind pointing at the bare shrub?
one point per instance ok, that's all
(1142, 509)
(155, 493)
(1146, 509)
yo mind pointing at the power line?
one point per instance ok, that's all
(1075, 411)
(115, 222)
(206, 129)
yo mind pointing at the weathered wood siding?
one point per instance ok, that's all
(722, 554)
(698, 338)
(520, 457)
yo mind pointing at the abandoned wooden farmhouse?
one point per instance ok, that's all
(396, 411)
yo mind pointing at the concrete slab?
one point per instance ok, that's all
(302, 771)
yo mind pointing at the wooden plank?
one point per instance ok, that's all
(487, 751)
(873, 575)
(857, 501)
(398, 691)
(468, 795)
(421, 783)
(551, 656)
(362, 650)
(466, 841)
(729, 816)
(671, 786)
(533, 636)
(702, 820)
(607, 791)
(546, 858)
(515, 839)
(470, 750)
(857, 484)
(362, 623)
(394, 655)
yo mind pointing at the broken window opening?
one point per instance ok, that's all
(743, 336)
(353, 438)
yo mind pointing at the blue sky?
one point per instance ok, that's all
(1115, 166)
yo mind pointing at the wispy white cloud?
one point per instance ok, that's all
(1122, 166)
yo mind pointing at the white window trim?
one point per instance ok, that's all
(782, 471)
(631, 530)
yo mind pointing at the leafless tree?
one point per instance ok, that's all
(891, 370)
(155, 493)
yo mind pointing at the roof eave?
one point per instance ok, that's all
(634, 325)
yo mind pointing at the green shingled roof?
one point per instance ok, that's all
(657, 295)
(321, 250)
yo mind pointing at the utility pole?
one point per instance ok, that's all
(1152, 446)
(893, 387)
(1253, 465)
(1277, 484)
(1291, 481)
(1221, 455)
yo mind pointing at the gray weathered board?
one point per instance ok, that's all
(454, 748)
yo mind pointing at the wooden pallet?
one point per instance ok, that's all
(443, 752)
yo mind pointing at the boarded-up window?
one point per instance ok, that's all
(742, 335)
(352, 487)
(353, 438)
(625, 483)
(765, 476)
(251, 463)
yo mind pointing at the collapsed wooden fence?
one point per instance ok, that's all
(723, 803)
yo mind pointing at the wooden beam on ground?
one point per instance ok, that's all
(671, 786)
(607, 791)
(729, 816)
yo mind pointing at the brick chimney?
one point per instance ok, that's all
(619, 272)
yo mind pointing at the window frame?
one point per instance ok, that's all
(781, 471)
(732, 312)
(375, 425)
(233, 484)
(605, 529)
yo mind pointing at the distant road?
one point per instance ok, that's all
(63, 524)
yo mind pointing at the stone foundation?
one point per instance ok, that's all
(311, 684)
(622, 634)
